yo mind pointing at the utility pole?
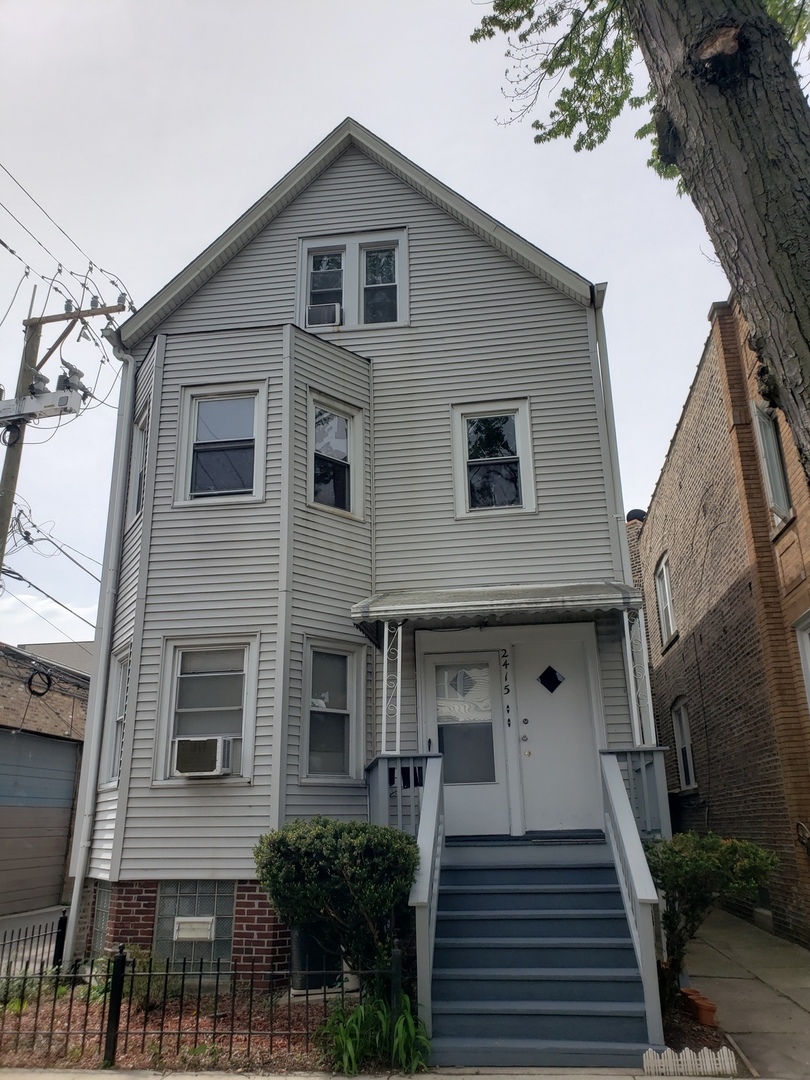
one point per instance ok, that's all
(31, 401)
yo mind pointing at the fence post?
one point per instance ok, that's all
(59, 944)
(396, 982)
(119, 965)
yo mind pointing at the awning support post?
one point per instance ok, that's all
(635, 647)
(392, 687)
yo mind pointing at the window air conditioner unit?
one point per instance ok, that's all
(202, 757)
(324, 314)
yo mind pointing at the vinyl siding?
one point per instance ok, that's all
(331, 564)
(618, 723)
(480, 327)
(213, 571)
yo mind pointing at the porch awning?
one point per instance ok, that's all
(495, 600)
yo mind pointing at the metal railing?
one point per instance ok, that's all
(425, 890)
(145, 1015)
(638, 890)
(32, 941)
(645, 778)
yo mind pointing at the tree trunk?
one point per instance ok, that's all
(732, 116)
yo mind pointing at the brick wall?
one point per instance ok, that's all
(133, 908)
(258, 936)
(734, 659)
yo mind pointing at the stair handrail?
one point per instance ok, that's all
(424, 893)
(638, 890)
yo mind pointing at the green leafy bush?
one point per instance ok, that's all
(344, 882)
(366, 1036)
(694, 871)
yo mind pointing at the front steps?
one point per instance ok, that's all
(533, 962)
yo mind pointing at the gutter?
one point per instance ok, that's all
(96, 707)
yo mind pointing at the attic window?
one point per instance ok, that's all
(354, 281)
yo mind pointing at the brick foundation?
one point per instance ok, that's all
(258, 936)
(133, 909)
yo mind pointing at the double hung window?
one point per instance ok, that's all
(336, 454)
(222, 458)
(208, 705)
(116, 716)
(683, 745)
(331, 467)
(334, 712)
(208, 711)
(663, 593)
(492, 457)
(221, 439)
(773, 465)
(356, 280)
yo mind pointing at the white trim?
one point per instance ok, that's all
(460, 413)
(138, 463)
(189, 396)
(354, 415)
(667, 623)
(356, 654)
(164, 728)
(772, 464)
(112, 740)
(682, 737)
(352, 246)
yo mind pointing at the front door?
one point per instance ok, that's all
(465, 724)
(519, 727)
(559, 764)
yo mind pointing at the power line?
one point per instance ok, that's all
(26, 272)
(46, 619)
(44, 211)
(107, 274)
(29, 540)
(18, 577)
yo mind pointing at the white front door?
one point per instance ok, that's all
(465, 724)
(519, 726)
(559, 764)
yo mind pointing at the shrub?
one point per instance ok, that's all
(694, 871)
(366, 1036)
(344, 882)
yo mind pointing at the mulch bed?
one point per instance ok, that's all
(682, 1032)
(204, 1034)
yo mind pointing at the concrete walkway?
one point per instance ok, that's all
(761, 986)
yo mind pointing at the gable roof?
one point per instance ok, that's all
(347, 134)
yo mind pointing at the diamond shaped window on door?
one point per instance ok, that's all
(462, 682)
(551, 679)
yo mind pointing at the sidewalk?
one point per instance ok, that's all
(761, 986)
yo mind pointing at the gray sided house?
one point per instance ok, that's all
(369, 562)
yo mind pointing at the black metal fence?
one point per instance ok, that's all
(33, 945)
(141, 1015)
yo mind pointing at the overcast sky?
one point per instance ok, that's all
(146, 127)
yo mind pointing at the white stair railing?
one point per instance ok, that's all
(425, 889)
(638, 890)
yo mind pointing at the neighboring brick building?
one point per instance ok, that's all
(724, 552)
(42, 715)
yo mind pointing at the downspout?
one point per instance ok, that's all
(617, 517)
(96, 706)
